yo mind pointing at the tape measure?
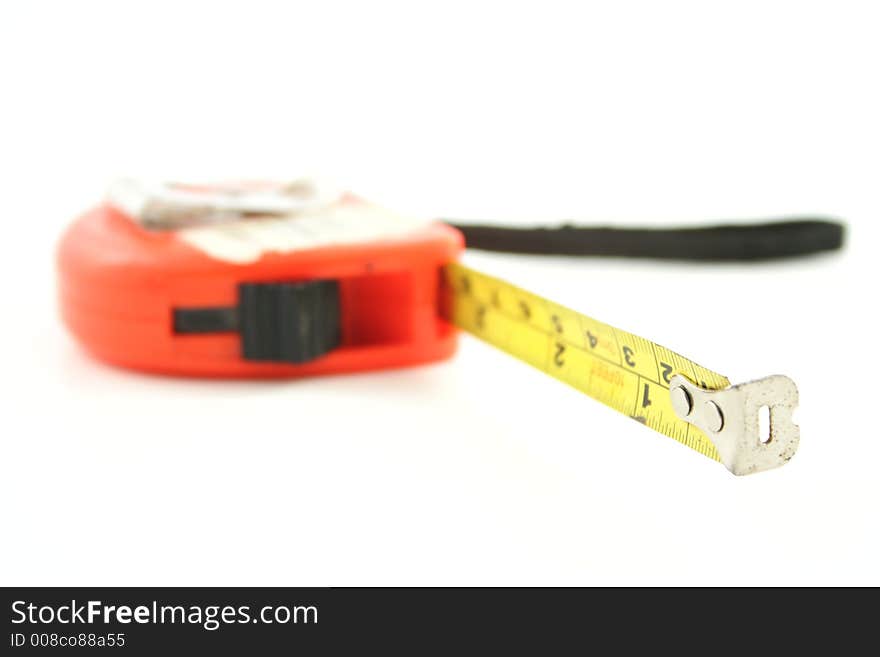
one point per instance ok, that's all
(296, 280)
(635, 376)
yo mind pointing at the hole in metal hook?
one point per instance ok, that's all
(764, 424)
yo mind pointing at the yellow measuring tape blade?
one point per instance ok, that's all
(624, 371)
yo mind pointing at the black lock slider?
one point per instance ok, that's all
(278, 322)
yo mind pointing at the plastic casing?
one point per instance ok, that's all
(118, 284)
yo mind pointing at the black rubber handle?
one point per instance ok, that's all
(732, 242)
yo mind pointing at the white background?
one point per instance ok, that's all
(478, 470)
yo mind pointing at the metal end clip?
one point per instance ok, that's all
(730, 419)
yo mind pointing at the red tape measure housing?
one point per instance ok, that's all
(121, 284)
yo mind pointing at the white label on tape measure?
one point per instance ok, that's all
(346, 222)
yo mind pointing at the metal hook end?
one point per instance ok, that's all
(730, 419)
